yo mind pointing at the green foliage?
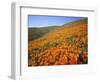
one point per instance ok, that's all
(85, 61)
(71, 39)
(85, 48)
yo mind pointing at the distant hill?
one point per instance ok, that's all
(35, 33)
(84, 20)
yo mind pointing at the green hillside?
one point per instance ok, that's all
(35, 33)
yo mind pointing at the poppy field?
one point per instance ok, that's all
(66, 44)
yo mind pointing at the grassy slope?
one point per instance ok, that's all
(35, 33)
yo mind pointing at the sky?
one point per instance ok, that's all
(43, 21)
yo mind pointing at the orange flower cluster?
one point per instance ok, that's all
(61, 55)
